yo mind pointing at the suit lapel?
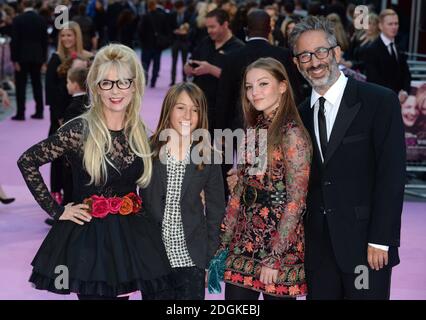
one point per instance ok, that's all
(309, 124)
(162, 175)
(189, 171)
(348, 109)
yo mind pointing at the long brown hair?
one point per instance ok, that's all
(198, 98)
(286, 111)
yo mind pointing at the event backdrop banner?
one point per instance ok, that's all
(414, 117)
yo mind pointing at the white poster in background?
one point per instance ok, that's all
(414, 117)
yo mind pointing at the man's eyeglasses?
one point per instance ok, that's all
(320, 53)
(121, 84)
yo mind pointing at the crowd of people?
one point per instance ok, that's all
(136, 213)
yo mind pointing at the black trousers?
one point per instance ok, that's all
(154, 55)
(328, 282)
(181, 46)
(185, 284)
(34, 71)
(233, 292)
(95, 297)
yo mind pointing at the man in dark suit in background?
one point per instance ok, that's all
(385, 64)
(155, 36)
(180, 20)
(28, 53)
(356, 187)
(228, 106)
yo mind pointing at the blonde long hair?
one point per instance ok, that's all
(62, 51)
(98, 141)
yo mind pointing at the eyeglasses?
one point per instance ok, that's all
(121, 84)
(320, 53)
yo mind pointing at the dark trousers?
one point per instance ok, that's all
(233, 292)
(328, 282)
(184, 284)
(154, 55)
(33, 70)
(96, 297)
(183, 47)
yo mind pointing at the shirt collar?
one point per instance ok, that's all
(78, 94)
(386, 40)
(332, 94)
(256, 38)
(28, 9)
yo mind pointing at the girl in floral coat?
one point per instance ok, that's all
(263, 227)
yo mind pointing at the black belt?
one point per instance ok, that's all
(252, 195)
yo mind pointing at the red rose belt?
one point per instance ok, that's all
(100, 207)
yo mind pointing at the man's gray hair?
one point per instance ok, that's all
(313, 23)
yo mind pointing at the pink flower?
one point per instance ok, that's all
(100, 207)
(114, 204)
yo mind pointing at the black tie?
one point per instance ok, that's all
(322, 125)
(393, 54)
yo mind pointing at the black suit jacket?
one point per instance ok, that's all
(360, 185)
(174, 24)
(76, 107)
(382, 69)
(29, 38)
(228, 104)
(201, 228)
(57, 96)
(153, 24)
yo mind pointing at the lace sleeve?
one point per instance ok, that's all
(297, 153)
(65, 140)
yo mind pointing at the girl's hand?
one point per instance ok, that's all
(76, 213)
(232, 179)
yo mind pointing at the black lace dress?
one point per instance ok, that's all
(107, 256)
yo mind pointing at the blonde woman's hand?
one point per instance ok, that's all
(268, 275)
(76, 213)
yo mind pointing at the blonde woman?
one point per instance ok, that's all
(361, 40)
(70, 46)
(339, 31)
(101, 238)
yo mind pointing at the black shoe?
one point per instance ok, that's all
(18, 118)
(49, 221)
(7, 200)
(37, 116)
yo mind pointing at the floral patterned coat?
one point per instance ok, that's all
(270, 233)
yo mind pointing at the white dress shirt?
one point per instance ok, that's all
(387, 43)
(333, 98)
